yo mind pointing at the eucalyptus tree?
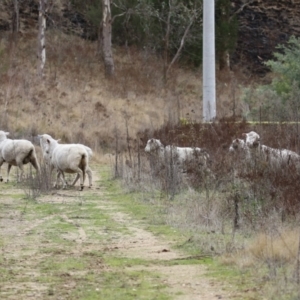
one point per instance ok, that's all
(43, 6)
(161, 26)
(106, 38)
(15, 17)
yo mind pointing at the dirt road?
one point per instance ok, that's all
(82, 245)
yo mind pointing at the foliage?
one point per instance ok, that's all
(94, 12)
(144, 23)
(278, 101)
(286, 67)
(226, 29)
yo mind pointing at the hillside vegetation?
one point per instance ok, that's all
(245, 216)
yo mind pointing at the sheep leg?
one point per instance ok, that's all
(63, 179)
(61, 176)
(90, 176)
(51, 170)
(81, 174)
(1, 163)
(8, 171)
(35, 164)
(75, 180)
(21, 167)
(57, 179)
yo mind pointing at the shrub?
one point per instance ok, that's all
(279, 100)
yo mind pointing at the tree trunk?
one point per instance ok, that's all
(41, 37)
(106, 39)
(167, 40)
(15, 18)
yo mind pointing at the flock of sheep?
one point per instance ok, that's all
(249, 149)
(74, 158)
(65, 158)
(252, 150)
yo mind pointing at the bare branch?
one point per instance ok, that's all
(241, 8)
(181, 43)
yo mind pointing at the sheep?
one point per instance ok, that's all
(155, 147)
(279, 157)
(276, 158)
(88, 170)
(252, 139)
(47, 158)
(182, 156)
(240, 147)
(17, 153)
(70, 158)
(242, 158)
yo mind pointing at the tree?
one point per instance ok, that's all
(286, 67)
(15, 17)
(106, 38)
(279, 100)
(41, 37)
(176, 9)
(226, 32)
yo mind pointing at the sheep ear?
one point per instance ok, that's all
(58, 140)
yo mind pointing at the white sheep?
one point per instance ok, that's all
(88, 170)
(185, 155)
(276, 158)
(179, 155)
(17, 153)
(239, 146)
(69, 158)
(242, 159)
(252, 139)
(156, 148)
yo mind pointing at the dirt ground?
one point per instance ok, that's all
(27, 244)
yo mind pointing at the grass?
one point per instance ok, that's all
(69, 245)
(262, 265)
(154, 215)
(66, 264)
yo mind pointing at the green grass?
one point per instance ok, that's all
(125, 261)
(75, 266)
(152, 214)
(123, 285)
(131, 203)
(54, 264)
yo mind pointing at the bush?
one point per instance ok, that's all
(278, 101)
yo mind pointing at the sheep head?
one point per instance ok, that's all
(252, 139)
(237, 145)
(153, 145)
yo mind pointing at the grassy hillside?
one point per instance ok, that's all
(76, 103)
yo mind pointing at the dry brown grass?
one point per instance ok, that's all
(77, 104)
(281, 247)
(278, 248)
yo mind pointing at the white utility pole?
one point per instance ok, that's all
(209, 65)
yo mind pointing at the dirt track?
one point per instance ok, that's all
(50, 247)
